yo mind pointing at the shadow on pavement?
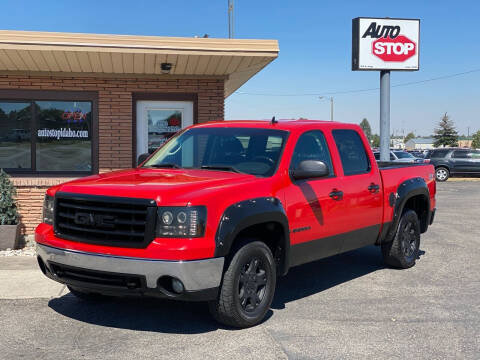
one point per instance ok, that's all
(315, 277)
(158, 315)
(141, 314)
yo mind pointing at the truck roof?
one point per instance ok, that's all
(287, 125)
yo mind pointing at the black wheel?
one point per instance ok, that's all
(86, 296)
(248, 286)
(442, 173)
(402, 252)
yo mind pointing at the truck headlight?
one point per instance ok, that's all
(48, 207)
(176, 221)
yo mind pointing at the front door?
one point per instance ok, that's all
(157, 121)
(315, 214)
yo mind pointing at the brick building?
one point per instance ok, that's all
(72, 105)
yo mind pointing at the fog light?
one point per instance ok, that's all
(177, 286)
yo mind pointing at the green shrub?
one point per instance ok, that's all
(8, 204)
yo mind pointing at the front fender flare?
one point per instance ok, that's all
(243, 214)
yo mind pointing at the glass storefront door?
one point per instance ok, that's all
(157, 121)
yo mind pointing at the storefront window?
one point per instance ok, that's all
(15, 135)
(162, 124)
(63, 136)
(39, 136)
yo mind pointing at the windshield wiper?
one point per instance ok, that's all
(221, 167)
(167, 165)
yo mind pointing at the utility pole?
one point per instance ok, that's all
(331, 108)
(230, 20)
(331, 105)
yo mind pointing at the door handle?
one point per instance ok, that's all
(336, 194)
(373, 188)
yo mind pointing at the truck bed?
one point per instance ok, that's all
(384, 165)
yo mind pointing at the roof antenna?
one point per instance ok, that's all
(274, 121)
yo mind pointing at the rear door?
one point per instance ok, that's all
(361, 185)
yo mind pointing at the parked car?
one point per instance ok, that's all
(454, 161)
(400, 156)
(222, 209)
(417, 153)
(17, 135)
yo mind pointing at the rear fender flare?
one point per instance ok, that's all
(405, 191)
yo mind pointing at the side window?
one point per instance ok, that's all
(438, 154)
(461, 154)
(392, 157)
(352, 152)
(311, 146)
(475, 154)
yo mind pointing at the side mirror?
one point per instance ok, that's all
(308, 169)
(142, 158)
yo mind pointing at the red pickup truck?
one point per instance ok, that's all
(222, 209)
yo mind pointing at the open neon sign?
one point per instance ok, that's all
(74, 116)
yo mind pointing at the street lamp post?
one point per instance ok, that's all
(331, 105)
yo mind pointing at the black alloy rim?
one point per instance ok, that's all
(252, 285)
(409, 240)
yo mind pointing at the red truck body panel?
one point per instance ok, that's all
(307, 207)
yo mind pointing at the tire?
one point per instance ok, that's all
(442, 173)
(85, 296)
(248, 286)
(402, 252)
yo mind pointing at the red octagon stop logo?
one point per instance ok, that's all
(399, 49)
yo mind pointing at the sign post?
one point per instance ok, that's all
(385, 115)
(384, 44)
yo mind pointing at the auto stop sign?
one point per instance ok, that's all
(399, 49)
(385, 44)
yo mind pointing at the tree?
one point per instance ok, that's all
(409, 136)
(365, 125)
(8, 205)
(476, 140)
(445, 134)
(375, 140)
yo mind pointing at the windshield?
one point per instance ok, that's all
(403, 155)
(244, 150)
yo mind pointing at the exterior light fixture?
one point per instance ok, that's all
(166, 67)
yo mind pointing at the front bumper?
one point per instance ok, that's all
(110, 274)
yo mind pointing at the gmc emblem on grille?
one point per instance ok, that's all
(97, 220)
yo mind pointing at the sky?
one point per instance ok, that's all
(315, 53)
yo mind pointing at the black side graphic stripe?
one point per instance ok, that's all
(318, 249)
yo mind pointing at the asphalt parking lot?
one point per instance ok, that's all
(348, 306)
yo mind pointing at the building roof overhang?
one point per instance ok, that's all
(235, 60)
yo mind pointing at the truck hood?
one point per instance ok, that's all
(165, 186)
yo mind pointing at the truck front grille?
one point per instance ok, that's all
(104, 220)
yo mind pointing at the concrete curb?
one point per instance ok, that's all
(20, 278)
(463, 179)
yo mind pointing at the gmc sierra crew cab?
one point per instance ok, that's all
(223, 209)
